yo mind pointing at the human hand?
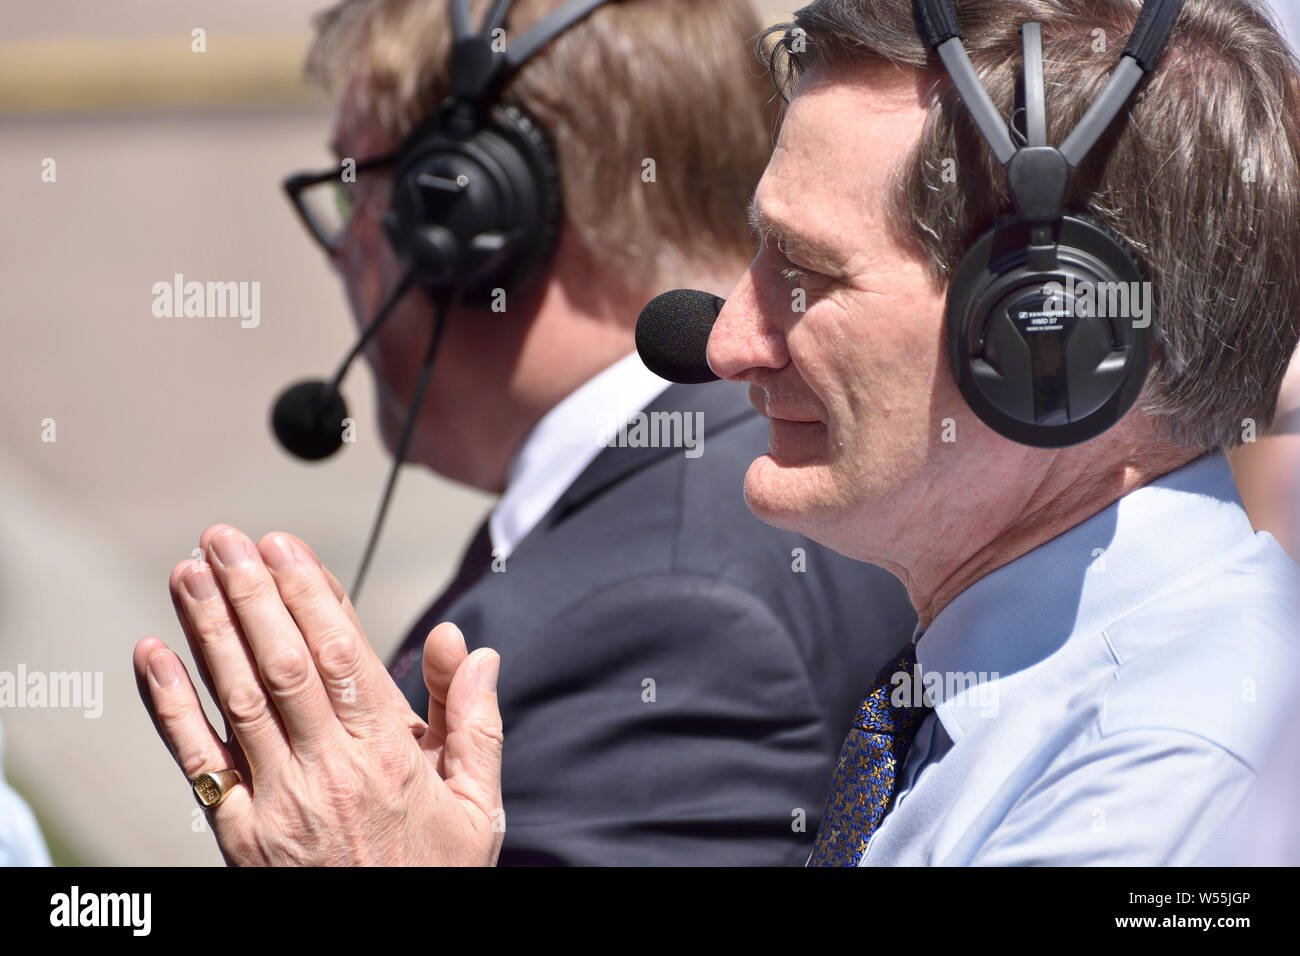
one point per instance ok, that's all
(336, 769)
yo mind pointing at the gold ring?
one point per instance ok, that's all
(211, 788)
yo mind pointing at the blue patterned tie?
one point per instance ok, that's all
(865, 775)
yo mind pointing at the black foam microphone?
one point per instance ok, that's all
(307, 418)
(672, 335)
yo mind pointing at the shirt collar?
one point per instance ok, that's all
(1079, 582)
(561, 446)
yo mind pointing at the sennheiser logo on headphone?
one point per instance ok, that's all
(1104, 300)
(208, 300)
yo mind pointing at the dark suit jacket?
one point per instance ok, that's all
(672, 690)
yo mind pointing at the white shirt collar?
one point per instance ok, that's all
(564, 443)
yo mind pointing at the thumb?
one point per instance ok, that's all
(472, 755)
(444, 653)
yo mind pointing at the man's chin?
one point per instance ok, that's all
(804, 500)
(390, 416)
(780, 494)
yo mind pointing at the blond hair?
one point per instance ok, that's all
(668, 87)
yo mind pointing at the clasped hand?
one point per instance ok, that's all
(337, 769)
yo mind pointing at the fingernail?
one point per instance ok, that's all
(200, 585)
(279, 554)
(228, 547)
(488, 669)
(164, 669)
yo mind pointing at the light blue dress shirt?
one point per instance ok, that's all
(1108, 697)
(20, 840)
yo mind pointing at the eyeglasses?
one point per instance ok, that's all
(326, 203)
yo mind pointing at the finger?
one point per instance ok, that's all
(211, 627)
(183, 618)
(227, 731)
(359, 689)
(201, 665)
(168, 694)
(173, 704)
(408, 717)
(472, 754)
(335, 586)
(444, 652)
(398, 700)
(283, 659)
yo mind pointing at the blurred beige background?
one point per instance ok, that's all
(166, 161)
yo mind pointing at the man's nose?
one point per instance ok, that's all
(744, 339)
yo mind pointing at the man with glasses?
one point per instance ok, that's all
(679, 675)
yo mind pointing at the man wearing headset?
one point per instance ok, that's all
(680, 675)
(1104, 643)
(1111, 641)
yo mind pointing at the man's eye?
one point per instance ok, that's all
(812, 283)
(343, 201)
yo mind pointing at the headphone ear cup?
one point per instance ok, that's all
(539, 157)
(1050, 353)
(476, 207)
(1122, 246)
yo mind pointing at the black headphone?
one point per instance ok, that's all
(1036, 359)
(475, 209)
(476, 191)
